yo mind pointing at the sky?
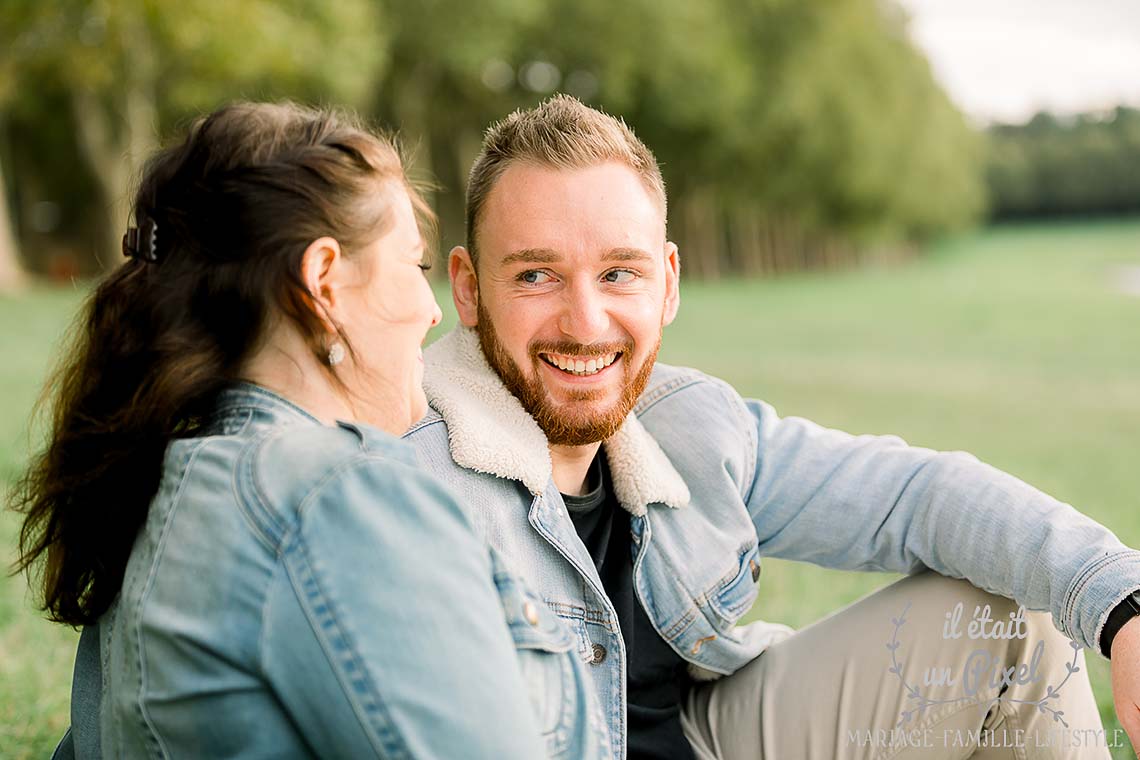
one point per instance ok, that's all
(1004, 60)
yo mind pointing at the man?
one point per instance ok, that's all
(639, 499)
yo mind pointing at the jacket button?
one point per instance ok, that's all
(754, 566)
(530, 612)
(599, 654)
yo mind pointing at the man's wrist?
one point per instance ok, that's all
(1121, 614)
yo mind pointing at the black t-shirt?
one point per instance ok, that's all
(657, 676)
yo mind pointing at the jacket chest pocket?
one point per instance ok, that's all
(547, 654)
(734, 594)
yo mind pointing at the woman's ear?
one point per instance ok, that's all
(322, 272)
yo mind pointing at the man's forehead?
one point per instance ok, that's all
(603, 208)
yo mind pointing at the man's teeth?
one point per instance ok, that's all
(578, 366)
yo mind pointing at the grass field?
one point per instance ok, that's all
(1013, 344)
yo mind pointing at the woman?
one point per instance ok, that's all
(222, 491)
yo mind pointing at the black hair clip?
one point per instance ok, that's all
(140, 242)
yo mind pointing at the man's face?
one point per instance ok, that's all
(575, 281)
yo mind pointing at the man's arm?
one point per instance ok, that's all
(1126, 678)
(874, 503)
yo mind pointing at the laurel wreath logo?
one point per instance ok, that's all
(922, 702)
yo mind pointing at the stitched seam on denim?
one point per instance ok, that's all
(562, 724)
(743, 575)
(549, 537)
(574, 612)
(562, 640)
(244, 424)
(730, 396)
(150, 729)
(271, 401)
(268, 526)
(733, 399)
(313, 493)
(1078, 587)
(682, 624)
(650, 398)
(263, 613)
(752, 455)
(734, 573)
(393, 745)
(223, 419)
(432, 418)
(360, 691)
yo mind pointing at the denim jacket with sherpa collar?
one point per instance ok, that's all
(714, 482)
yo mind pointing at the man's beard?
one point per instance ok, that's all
(567, 425)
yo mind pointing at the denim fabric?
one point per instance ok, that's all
(302, 590)
(765, 486)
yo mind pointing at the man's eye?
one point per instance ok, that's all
(618, 275)
(534, 277)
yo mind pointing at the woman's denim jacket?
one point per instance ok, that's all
(713, 482)
(303, 590)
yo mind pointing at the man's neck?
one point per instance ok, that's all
(571, 466)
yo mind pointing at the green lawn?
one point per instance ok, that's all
(35, 656)
(1012, 344)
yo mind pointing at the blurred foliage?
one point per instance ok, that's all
(1088, 164)
(121, 73)
(791, 134)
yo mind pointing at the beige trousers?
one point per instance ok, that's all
(969, 684)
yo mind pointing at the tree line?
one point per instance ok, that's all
(1051, 166)
(792, 135)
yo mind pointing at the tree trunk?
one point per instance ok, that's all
(700, 243)
(411, 107)
(117, 134)
(12, 277)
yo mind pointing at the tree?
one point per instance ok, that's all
(12, 276)
(134, 67)
(1088, 164)
(11, 273)
(435, 87)
(790, 134)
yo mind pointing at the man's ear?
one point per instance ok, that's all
(322, 272)
(464, 285)
(672, 283)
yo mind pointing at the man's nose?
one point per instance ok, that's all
(584, 318)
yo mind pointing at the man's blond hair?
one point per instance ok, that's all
(560, 133)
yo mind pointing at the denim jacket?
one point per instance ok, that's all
(714, 482)
(304, 590)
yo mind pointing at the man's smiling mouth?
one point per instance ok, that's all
(581, 366)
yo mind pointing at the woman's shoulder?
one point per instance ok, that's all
(306, 453)
(296, 468)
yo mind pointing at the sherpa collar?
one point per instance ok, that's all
(489, 431)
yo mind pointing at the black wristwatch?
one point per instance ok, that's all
(1121, 614)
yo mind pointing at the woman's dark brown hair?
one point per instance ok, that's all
(235, 205)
